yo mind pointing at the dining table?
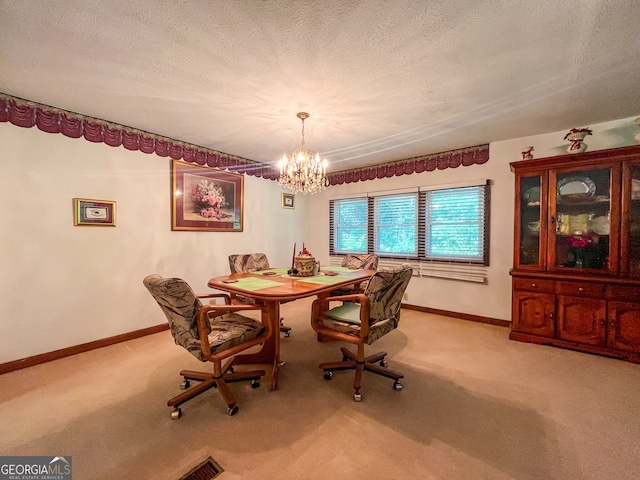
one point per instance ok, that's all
(272, 287)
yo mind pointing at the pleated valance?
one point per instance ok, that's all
(27, 114)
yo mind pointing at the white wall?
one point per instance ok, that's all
(64, 285)
(492, 300)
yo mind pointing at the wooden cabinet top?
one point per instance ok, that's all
(586, 158)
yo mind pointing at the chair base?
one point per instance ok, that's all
(284, 329)
(350, 362)
(209, 381)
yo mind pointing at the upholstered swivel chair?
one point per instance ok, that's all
(211, 333)
(365, 262)
(362, 319)
(251, 262)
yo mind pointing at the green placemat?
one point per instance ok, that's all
(331, 268)
(325, 279)
(279, 271)
(252, 283)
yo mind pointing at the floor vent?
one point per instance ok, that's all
(207, 470)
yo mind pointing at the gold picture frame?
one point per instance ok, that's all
(94, 213)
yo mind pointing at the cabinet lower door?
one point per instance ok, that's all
(533, 313)
(582, 319)
(624, 326)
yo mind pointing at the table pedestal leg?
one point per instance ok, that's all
(270, 352)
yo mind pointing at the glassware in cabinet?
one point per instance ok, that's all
(581, 238)
(530, 215)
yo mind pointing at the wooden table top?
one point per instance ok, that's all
(280, 287)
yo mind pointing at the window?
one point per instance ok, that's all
(348, 230)
(395, 225)
(455, 224)
(448, 225)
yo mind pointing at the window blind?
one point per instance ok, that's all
(395, 226)
(456, 224)
(348, 228)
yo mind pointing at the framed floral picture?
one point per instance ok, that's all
(288, 200)
(206, 199)
(95, 213)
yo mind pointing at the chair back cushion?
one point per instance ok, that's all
(385, 291)
(366, 262)
(248, 262)
(180, 305)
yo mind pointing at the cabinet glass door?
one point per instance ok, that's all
(581, 237)
(631, 224)
(531, 202)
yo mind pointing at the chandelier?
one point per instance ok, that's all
(302, 171)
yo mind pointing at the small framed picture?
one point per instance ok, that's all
(288, 200)
(95, 213)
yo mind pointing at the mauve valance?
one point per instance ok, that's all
(428, 163)
(24, 113)
(48, 121)
(27, 114)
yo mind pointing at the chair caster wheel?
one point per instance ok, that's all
(383, 363)
(328, 375)
(255, 383)
(397, 385)
(176, 414)
(231, 411)
(287, 334)
(230, 370)
(357, 397)
(185, 384)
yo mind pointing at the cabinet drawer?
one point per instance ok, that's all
(624, 294)
(580, 289)
(534, 285)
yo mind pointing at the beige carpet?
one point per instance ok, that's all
(474, 406)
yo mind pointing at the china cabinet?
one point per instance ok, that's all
(576, 265)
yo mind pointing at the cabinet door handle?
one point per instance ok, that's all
(533, 285)
(612, 324)
(551, 315)
(580, 289)
(602, 322)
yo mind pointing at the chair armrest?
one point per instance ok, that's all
(227, 299)
(321, 305)
(218, 310)
(351, 297)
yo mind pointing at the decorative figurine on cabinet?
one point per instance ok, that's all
(526, 153)
(576, 137)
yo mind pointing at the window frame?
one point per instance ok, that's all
(334, 230)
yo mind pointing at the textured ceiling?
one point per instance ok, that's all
(383, 80)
